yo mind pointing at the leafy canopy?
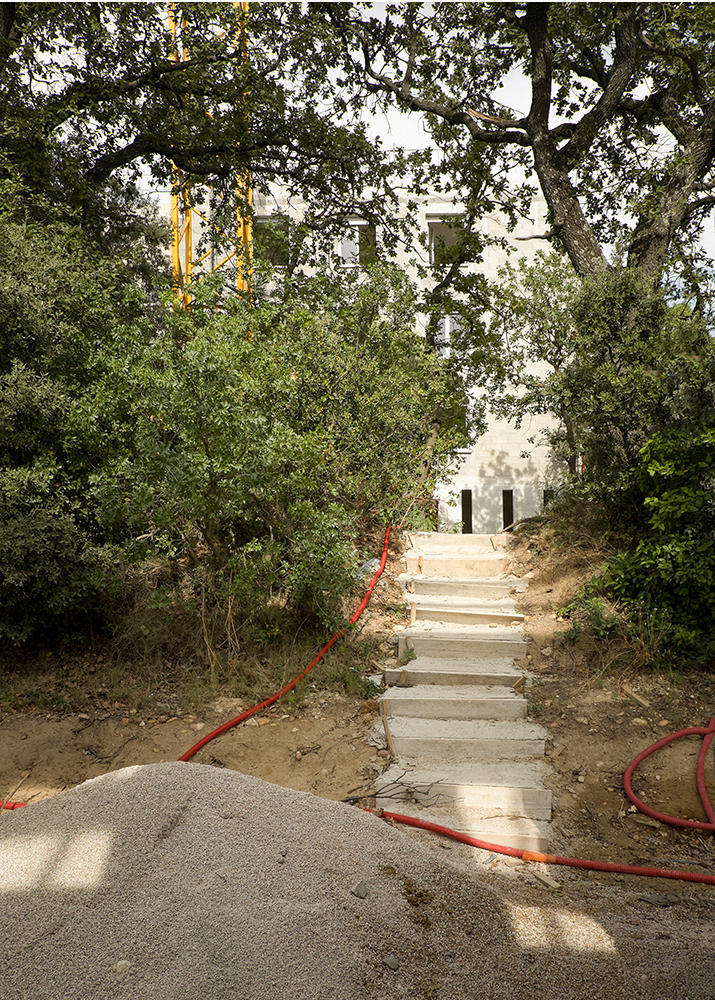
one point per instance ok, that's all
(618, 127)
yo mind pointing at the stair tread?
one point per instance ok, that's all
(467, 773)
(500, 604)
(418, 539)
(516, 729)
(495, 582)
(487, 664)
(429, 670)
(453, 630)
(457, 819)
(440, 692)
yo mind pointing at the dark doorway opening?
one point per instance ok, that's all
(507, 504)
(466, 512)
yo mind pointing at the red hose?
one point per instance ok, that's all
(604, 866)
(690, 824)
(314, 662)
(551, 859)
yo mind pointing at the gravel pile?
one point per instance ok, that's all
(183, 881)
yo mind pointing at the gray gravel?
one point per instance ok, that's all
(183, 881)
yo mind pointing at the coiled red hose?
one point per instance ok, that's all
(313, 663)
(689, 824)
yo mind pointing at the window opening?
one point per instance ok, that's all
(358, 245)
(441, 236)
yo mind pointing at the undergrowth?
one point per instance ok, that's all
(173, 646)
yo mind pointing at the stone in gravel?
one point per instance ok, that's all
(359, 890)
(391, 962)
(122, 967)
(666, 899)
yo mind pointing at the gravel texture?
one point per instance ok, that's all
(183, 881)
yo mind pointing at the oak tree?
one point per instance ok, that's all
(619, 132)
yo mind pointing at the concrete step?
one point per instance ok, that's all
(521, 833)
(462, 641)
(453, 702)
(431, 670)
(467, 587)
(485, 564)
(463, 610)
(459, 738)
(437, 541)
(503, 789)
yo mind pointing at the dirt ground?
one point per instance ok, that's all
(598, 719)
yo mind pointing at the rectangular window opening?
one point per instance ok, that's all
(358, 246)
(441, 237)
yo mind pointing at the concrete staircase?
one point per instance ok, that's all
(467, 757)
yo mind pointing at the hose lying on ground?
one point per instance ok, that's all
(313, 663)
(551, 859)
(525, 855)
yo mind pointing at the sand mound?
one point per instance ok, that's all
(182, 881)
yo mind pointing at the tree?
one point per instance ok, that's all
(91, 95)
(608, 360)
(620, 129)
(257, 457)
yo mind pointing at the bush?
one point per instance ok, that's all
(261, 439)
(670, 572)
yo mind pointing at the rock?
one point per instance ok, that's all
(122, 967)
(391, 962)
(253, 721)
(383, 753)
(368, 569)
(359, 890)
(666, 899)
(546, 651)
(639, 722)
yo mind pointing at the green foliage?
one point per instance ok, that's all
(670, 572)
(589, 612)
(95, 96)
(260, 439)
(56, 309)
(607, 359)
(614, 125)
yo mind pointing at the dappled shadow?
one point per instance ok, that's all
(181, 880)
